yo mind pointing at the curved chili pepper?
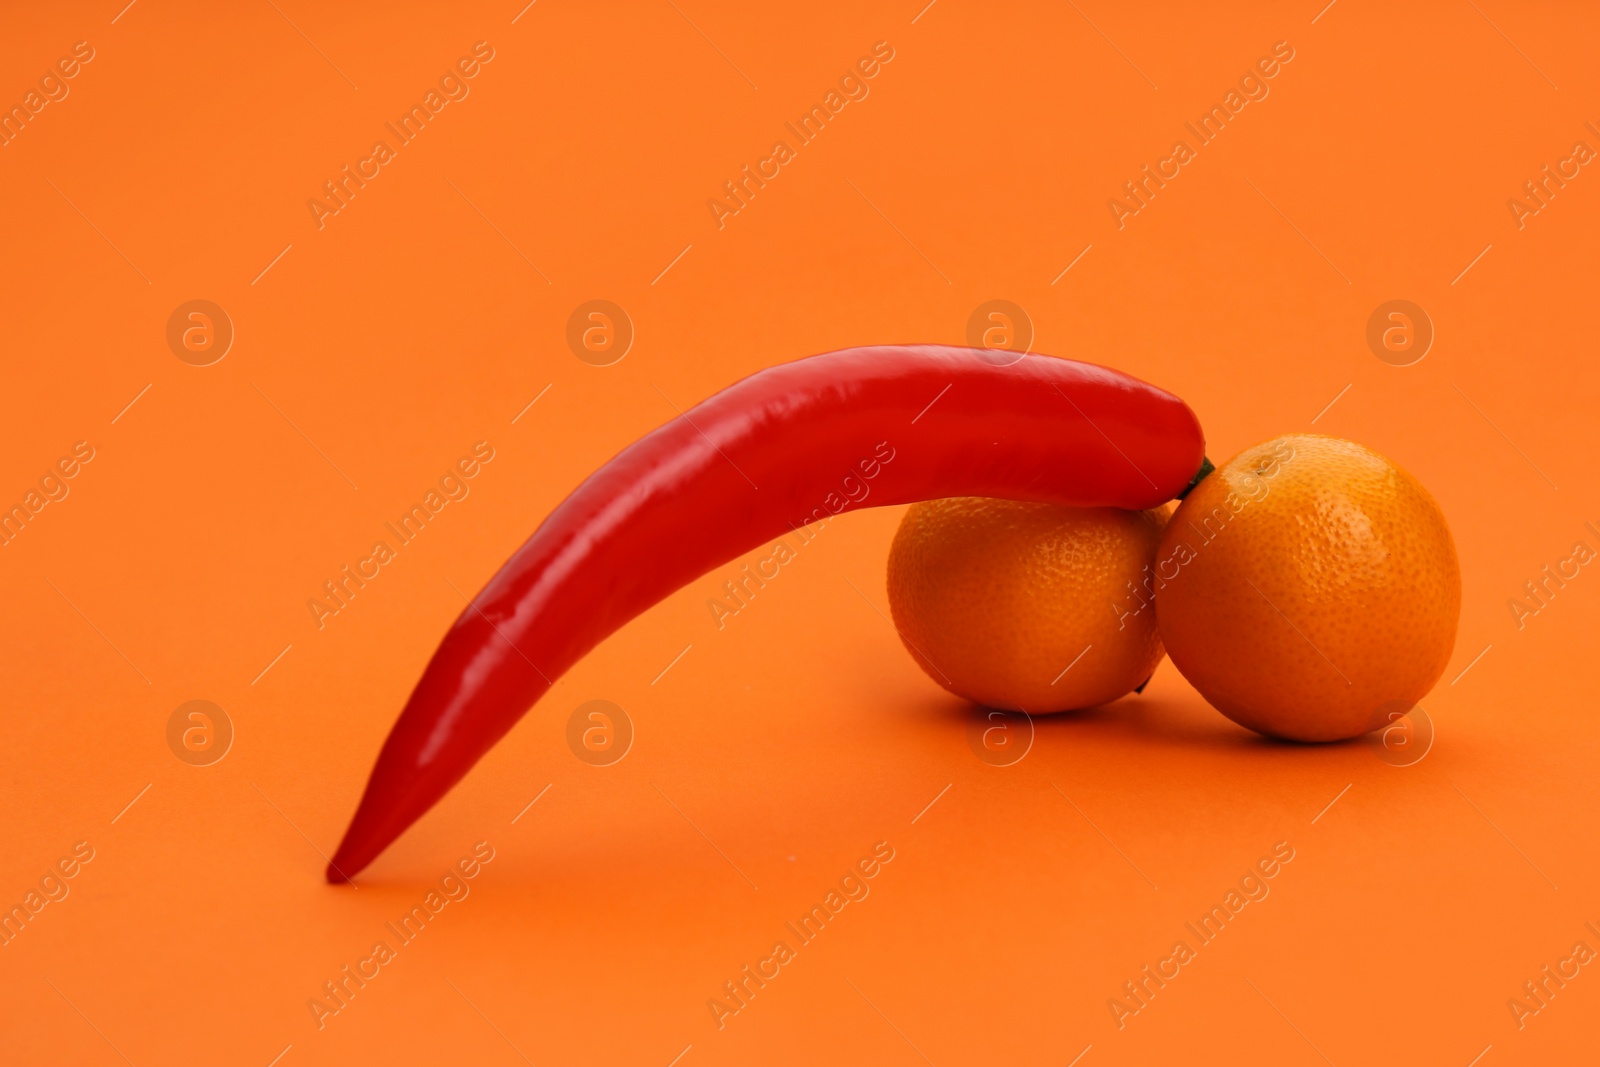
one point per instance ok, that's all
(786, 446)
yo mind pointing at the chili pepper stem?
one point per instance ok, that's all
(1206, 467)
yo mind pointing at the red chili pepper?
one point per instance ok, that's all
(786, 446)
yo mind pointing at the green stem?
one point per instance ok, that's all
(1206, 467)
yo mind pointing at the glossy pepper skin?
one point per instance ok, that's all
(788, 445)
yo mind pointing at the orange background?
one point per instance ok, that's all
(775, 752)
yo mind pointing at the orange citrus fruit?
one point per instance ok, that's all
(1309, 589)
(1023, 606)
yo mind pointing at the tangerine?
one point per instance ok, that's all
(1026, 606)
(1309, 589)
